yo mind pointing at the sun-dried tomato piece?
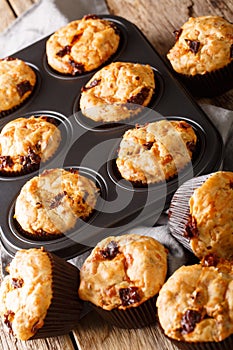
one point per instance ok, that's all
(57, 200)
(191, 146)
(9, 59)
(129, 295)
(6, 161)
(8, 319)
(193, 45)
(210, 260)
(76, 38)
(64, 51)
(23, 87)
(110, 251)
(191, 229)
(148, 145)
(17, 282)
(77, 67)
(95, 82)
(50, 120)
(177, 33)
(140, 97)
(189, 321)
(91, 16)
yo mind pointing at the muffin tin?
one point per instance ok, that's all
(92, 147)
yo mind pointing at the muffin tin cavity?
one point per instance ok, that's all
(122, 44)
(90, 124)
(63, 124)
(189, 170)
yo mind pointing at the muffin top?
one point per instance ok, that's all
(203, 44)
(25, 142)
(82, 45)
(112, 93)
(26, 293)
(195, 303)
(156, 151)
(51, 203)
(211, 216)
(123, 271)
(17, 80)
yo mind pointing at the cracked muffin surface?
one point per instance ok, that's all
(117, 91)
(211, 216)
(203, 44)
(17, 81)
(123, 271)
(196, 302)
(156, 151)
(82, 45)
(26, 142)
(26, 293)
(51, 203)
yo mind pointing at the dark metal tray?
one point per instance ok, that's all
(91, 148)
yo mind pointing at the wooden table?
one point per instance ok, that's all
(157, 19)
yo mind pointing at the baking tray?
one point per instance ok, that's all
(92, 148)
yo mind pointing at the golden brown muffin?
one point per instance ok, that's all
(39, 289)
(82, 45)
(26, 142)
(50, 204)
(17, 81)
(117, 91)
(210, 224)
(123, 272)
(202, 55)
(156, 151)
(203, 44)
(195, 304)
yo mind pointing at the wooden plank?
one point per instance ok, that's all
(7, 15)
(94, 333)
(20, 6)
(7, 342)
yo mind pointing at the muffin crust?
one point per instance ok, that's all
(82, 45)
(17, 81)
(155, 152)
(195, 303)
(26, 293)
(211, 216)
(123, 271)
(51, 203)
(117, 91)
(25, 142)
(203, 44)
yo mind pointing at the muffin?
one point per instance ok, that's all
(117, 92)
(202, 55)
(82, 45)
(50, 204)
(27, 142)
(39, 295)
(195, 303)
(122, 277)
(201, 212)
(17, 81)
(156, 151)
